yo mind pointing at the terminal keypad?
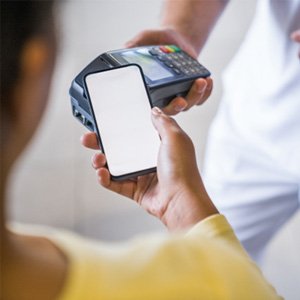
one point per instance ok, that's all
(177, 60)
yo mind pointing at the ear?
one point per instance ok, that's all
(34, 57)
(36, 65)
(32, 88)
(30, 94)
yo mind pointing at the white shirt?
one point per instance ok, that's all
(262, 84)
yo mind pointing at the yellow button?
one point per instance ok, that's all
(170, 49)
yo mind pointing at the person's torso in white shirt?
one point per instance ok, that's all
(262, 84)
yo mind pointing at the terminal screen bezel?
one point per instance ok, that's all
(118, 57)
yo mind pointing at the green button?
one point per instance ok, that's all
(175, 48)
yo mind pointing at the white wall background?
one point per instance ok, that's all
(54, 182)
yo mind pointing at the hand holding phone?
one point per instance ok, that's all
(121, 110)
(175, 194)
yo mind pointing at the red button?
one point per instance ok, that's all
(164, 49)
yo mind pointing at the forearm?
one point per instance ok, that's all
(194, 19)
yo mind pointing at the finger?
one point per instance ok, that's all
(295, 36)
(175, 106)
(104, 177)
(158, 37)
(125, 188)
(146, 37)
(98, 160)
(164, 124)
(207, 92)
(199, 92)
(89, 140)
(196, 93)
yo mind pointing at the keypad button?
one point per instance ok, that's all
(175, 48)
(169, 64)
(170, 49)
(180, 62)
(164, 49)
(161, 57)
(177, 64)
(177, 71)
(168, 58)
(186, 71)
(176, 57)
(154, 52)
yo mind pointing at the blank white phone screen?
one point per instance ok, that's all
(123, 116)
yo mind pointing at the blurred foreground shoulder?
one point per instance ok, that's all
(206, 262)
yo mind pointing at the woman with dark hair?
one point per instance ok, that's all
(201, 259)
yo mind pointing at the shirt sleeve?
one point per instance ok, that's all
(207, 262)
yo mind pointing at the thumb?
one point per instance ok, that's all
(165, 125)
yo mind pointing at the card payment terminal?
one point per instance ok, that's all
(168, 72)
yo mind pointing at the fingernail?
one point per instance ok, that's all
(179, 108)
(201, 89)
(93, 162)
(156, 111)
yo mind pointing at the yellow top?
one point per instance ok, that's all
(206, 263)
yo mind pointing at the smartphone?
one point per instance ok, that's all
(121, 109)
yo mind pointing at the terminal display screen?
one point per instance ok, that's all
(151, 68)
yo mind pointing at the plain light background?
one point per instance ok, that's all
(54, 183)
